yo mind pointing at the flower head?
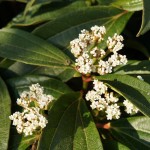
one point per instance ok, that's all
(90, 58)
(31, 119)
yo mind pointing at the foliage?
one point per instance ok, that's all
(35, 48)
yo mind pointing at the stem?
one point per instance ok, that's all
(86, 79)
(104, 126)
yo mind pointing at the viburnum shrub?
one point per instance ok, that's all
(75, 77)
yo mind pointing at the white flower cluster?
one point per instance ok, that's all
(106, 102)
(130, 108)
(89, 58)
(35, 94)
(28, 121)
(34, 103)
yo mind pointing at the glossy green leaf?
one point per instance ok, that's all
(133, 132)
(27, 48)
(18, 69)
(113, 19)
(41, 13)
(133, 89)
(70, 126)
(145, 18)
(5, 112)
(86, 15)
(134, 67)
(51, 85)
(129, 5)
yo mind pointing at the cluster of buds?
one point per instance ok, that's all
(90, 58)
(34, 102)
(104, 101)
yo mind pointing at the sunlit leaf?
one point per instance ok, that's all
(70, 126)
(133, 132)
(134, 67)
(51, 85)
(145, 18)
(130, 88)
(24, 47)
(5, 111)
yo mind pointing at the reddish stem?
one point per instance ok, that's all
(104, 126)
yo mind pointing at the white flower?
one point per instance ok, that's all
(100, 87)
(96, 52)
(113, 112)
(89, 58)
(130, 108)
(110, 98)
(98, 32)
(28, 121)
(92, 96)
(104, 67)
(35, 94)
(114, 44)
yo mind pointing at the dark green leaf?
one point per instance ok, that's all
(24, 47)
(18, 69)
(129, 5)
(133, 89)
(51, 85)
(114, 20)
(86, 15)
(70, 126)
(114, 145)
(133, 132)
(134, 67)
(18, 142)
(41, 13)
(145, 18)
(5, 112)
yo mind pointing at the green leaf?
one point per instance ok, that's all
(18, 142)
(86, 15)
(5, 112)
(129, 5)
(70, 126)
(112, 18)
(114, 145)
(133, 89)
(51, 85)
(41, 13)
(27, 48)
(145, 18)
(133, 132)
(18, 69)
(134, 67)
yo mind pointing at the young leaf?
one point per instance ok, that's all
(70, 126)
(131, 88)
(5, 112)
(145, 18)
(51, 85)
(24, 47)
(133, 132)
